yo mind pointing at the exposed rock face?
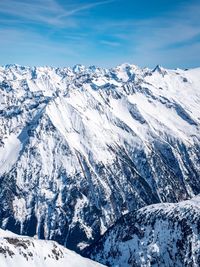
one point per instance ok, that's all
(81, 147)
(157, 235)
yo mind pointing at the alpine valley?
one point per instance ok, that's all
(104, 161)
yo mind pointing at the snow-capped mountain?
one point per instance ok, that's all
(157, 235)
(80, 147)
(24, 251)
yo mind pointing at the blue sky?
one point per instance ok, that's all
(101, 32)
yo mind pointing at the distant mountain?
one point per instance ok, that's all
(80, 147)
(157, 235)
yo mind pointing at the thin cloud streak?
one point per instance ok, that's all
(157, 37)
(73, 27)
(48, 11)
(85, 7)
(110, 43)
(35, 11)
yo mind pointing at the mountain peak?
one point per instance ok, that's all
(78, 68)
(159, 69)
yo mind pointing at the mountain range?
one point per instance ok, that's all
(85, 149)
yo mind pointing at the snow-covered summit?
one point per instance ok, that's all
(21, 251)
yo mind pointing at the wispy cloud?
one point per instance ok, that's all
(161, 30)
(84, 7)
(158, 38)
(46, 11)
(31, 48)
(44, 28)
(25, 39)
(84, 31)
(110, 43)
(38, 11)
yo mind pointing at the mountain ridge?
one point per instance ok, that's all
(166, 234)
(22, 251)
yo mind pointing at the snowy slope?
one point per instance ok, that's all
(157, 235)
(23, 251)
(80, 147)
